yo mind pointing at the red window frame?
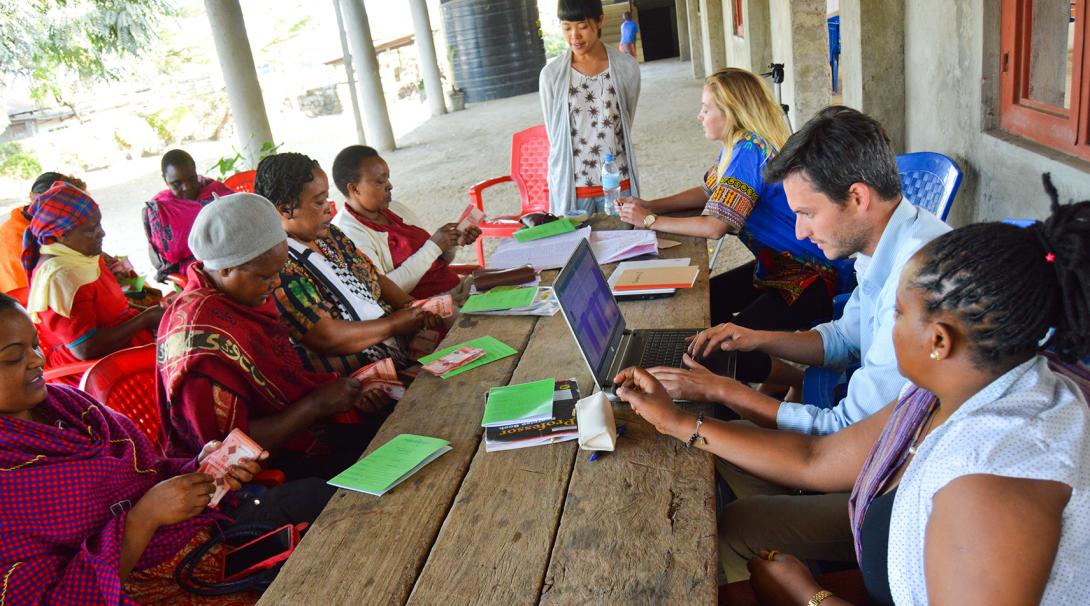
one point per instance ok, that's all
(1067, 130)
(739, 25)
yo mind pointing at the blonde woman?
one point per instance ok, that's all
(790, 284)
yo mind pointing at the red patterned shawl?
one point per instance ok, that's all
(65, 492)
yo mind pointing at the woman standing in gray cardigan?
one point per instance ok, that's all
(588, 97)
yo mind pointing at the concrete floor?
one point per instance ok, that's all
(438, 161)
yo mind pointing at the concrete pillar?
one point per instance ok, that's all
(425, 50)
(240, 76)
(375, 114)
(800, 40)
(711, 24)
(680, 6)
(872, 59)
(696, 38)
(360, 138)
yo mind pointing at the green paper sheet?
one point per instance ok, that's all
(520, 403)
(495, 300)
(390, 464)
(562, 225)
(493, 347)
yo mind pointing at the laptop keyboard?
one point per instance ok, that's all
(664, 348)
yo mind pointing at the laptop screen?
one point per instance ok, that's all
(590, 309)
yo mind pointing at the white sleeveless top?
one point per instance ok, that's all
(1029, 423)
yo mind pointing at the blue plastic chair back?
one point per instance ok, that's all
(930, 181)
(834, 36)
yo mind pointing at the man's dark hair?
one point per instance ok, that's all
(579, 10)
(282, 177)
(45, 181)
(836, 148)
(346, 166)
(1016, 291)
(176, 157)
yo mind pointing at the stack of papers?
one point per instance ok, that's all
(617, 245)
(647, 278)
(560, 428)
(622, 268)
(609, 246)
(494, 350)
(544, 304)
(550, 253)
(390, 464)
(499, 299)
(519, 403)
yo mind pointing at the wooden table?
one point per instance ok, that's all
(525, 526)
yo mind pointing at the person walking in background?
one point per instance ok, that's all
(629, 29)
(588, 97)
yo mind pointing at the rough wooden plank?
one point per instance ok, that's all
(638, 526)
(366, 549)
(495, 544)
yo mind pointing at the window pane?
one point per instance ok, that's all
(1051, 41)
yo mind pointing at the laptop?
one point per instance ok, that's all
(599, 328)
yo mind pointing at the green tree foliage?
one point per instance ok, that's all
(53, 41)
(16, 163)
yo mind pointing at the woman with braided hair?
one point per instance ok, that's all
(974, 486)
(342, 313)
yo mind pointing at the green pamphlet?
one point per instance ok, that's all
(493, 347)
(520, 403)
(562, 225)
(390, 464)
(495, 300)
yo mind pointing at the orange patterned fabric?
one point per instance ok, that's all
(12, 274)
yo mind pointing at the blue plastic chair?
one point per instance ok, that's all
(834, 47)
(929, 180)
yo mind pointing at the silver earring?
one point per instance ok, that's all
(934, 354)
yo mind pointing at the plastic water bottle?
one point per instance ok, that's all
(611, 185)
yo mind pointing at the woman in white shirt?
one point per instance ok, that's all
(388, 232)
(973, 487)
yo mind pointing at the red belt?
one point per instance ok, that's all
(595, 191)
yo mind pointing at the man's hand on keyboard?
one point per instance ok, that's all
(728, 337)
(695, 383)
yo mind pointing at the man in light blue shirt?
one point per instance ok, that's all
(871, 220)
(840, 176)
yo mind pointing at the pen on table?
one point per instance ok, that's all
(598, 453)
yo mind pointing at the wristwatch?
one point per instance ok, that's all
(819, 597)
(649, 220)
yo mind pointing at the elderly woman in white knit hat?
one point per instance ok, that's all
(226, 361)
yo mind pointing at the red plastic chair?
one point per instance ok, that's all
(22, 295)
(529, 170)
(243, 181)
(69, 374)
(125, 381)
